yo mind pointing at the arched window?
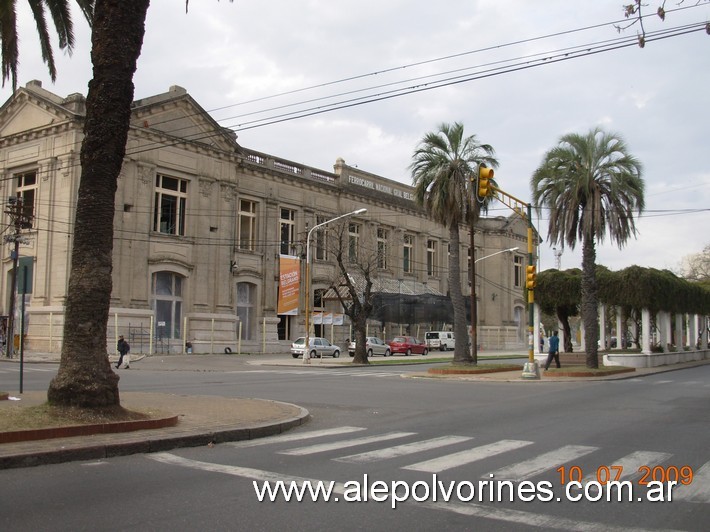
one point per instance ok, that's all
(246, 309)
(167, 303)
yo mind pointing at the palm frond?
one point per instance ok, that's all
(8, 41)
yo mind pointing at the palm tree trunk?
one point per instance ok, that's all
(85, 377)
(462, 355)
(590, 304)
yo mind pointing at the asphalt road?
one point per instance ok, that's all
(391, 429)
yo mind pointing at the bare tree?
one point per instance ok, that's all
(696, 267)
(635, 13)
(352, 282)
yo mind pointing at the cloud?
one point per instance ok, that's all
(226, 54)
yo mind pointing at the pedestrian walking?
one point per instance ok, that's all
(542, 342)
(123, 351)
(553, 351)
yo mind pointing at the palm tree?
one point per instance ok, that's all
(63, 25)
(443, 166)
(85, 377)
(591, 187)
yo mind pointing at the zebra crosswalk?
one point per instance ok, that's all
(451, 456)
(663, 382)
(326, 372)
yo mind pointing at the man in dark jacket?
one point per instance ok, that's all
(123, 349)
(554, 351)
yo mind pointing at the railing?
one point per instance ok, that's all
(290, 167)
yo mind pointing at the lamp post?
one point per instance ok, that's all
(308, 272)
(496, 253)
(474, 310)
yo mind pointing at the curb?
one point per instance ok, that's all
(148, 443)
(471, 371)
(87, 430)
(581, 373)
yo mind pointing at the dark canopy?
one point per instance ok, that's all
(409, 309)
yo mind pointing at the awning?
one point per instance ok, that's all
(380, 285)
(405, 301)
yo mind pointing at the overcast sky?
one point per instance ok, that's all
(236, 59)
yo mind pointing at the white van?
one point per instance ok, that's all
(440, 340)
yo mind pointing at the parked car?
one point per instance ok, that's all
(319, 347)
(374, 346)
(408, 345)
(440, 340)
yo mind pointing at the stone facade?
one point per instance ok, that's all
(201, 223)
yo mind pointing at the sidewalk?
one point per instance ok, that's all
(201, 420)
(206, 420)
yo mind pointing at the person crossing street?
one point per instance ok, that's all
(553, 351)
(123, 349)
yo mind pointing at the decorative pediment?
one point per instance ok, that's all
(180, 116)
(27, 111)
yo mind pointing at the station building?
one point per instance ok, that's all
(201, 224)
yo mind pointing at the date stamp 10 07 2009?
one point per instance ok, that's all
(613, 473)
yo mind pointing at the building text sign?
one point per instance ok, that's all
(379, 187)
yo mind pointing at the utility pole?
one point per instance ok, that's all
(19, 220)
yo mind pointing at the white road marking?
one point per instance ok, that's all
(698, 490)
(403, 450)
(468, 456)
(295, 436)
(629, 465)
(487, 511)
(543, 462)
(323, 447)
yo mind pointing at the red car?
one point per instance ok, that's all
(408, 345)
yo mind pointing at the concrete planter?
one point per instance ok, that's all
(652, 360)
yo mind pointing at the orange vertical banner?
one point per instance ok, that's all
(289, 285)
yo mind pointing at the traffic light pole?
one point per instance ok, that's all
(531, 370)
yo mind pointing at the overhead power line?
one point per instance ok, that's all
(475, 72)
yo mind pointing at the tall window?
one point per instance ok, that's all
(26, 189)
(382, 237)
(246, 309)
(408, 254)
(518, 271)
(288, 232)
(319, 306)
(170, 205)
(167, 303)
(321, 235)
(432, 257)
(353, 241)
(247, 225)
(284, 327)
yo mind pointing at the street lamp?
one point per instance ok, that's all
(308, 272)
(496, 253)
(474, 312)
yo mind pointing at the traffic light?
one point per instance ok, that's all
(484, 176)
(530, 277)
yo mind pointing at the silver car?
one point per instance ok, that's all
(374, 346)
(319, 347)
